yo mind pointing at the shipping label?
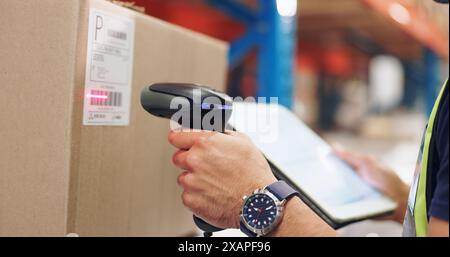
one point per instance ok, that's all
(109, 70)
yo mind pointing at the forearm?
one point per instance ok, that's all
(300, 220)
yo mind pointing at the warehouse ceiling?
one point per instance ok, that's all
(364, 27)
(355, 19)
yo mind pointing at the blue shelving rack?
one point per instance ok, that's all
(274, 35)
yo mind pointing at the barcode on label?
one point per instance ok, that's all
(106, 98)
(117, 34)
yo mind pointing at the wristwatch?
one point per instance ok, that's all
(263, 210)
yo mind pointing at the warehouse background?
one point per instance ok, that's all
(306, 56)
(361, 73)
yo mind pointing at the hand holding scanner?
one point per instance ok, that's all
(192, 106)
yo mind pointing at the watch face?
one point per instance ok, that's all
(260, 211)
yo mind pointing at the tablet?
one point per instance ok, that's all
(300, 157)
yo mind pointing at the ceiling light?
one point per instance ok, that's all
(287, 8)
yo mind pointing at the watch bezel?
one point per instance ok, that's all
(279, 207)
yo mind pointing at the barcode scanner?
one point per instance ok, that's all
(192, 106)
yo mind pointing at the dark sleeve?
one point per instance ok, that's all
(440, 202)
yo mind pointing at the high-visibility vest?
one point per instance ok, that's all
(416, 218)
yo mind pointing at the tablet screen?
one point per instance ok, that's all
(301, 154)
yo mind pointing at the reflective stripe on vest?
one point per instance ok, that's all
(416, 218)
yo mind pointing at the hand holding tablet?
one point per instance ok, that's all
(300, 157)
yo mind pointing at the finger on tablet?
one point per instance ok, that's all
(352, 159)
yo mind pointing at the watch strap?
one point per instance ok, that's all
(246, 231)
(282, 190)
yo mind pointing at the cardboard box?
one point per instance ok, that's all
(58, 176)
